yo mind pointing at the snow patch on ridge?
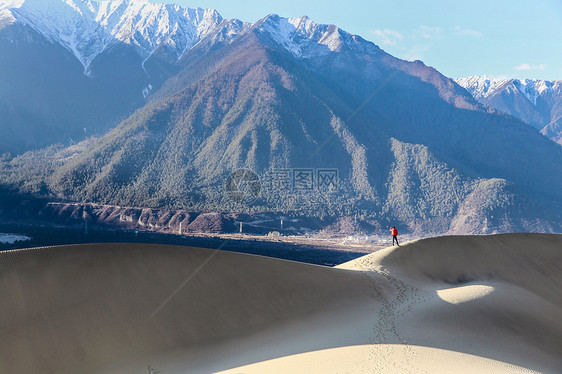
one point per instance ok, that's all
(6, 17)
(533, 88)
(146, 91)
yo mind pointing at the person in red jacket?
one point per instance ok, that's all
(394, 234)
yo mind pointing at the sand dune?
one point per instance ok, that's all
(440, 305)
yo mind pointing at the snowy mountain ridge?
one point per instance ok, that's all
(88, 28)
(304, 38)
(483, 86)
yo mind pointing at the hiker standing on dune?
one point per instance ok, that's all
(394, 234)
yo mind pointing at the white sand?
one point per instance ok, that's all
(442, 305)
(355, 359)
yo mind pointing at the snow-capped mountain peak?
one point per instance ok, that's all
(482, 87)
(534, 101)
(88, 28)
(9, 4)
(303, 37)
(533, 88)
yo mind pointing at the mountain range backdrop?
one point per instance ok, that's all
(114, 109)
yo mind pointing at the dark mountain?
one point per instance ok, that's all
(408, 144)
(330, 124)
(45, 97)
(75, 69)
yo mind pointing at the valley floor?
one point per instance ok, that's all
(320, 251)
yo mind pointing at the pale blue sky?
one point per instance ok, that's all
(501, 38)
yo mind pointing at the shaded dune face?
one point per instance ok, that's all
(474, 303)
(86, 308)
